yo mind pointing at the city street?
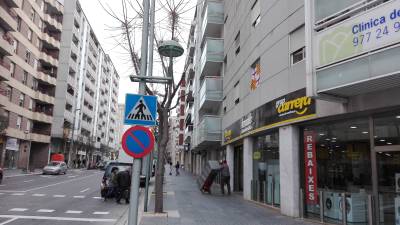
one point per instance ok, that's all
(71, 199)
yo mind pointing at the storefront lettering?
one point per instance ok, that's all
(298, 106)
(310, 167)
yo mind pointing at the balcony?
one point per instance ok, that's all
(5, 73)
(71, 80)
(11, 3)
(49, 57)
(213, 21)
(52, 22)
(6, 44)
(42, 117)
(188, 114)
(45, 77)
(8, 19)
(69, 116)
(56, 5)
(44, 97)
(51, 40)
(70, 98)
(188, 133)
(190, 72)
(86, 125)
(212, 58)
(210, 95)
(43, 138)
(189, 93)
(209, 131)
(191, 46)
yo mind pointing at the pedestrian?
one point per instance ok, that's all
(123, 183)
(170, 168)
(83, 163)
(112, 184)
(177, 166)
(74, 162)
(79, 163)
(225, 177)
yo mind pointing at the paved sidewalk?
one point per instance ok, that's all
(184, 204)
(19, 172)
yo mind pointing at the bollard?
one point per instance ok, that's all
(301, 207)
(258, 190)
(265, 192)
(370, 210)
(344, 210)
(321, 206)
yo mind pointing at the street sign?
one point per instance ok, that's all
(138, 141)
(140, 110)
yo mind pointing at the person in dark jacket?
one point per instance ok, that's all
(225, 177)
(124, 184)
(113, 184)
(177, 166)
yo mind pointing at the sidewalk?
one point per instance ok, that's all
(18, 173)
(184, 204)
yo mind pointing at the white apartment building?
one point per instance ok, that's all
(84, 124)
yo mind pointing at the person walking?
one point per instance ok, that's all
(170, 168)
(177, 166)
(124, 183)
(79, 163)
(225, 177)
(113, 184)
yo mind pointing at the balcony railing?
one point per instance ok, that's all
(212, 58)
(6, 44)
(213, 20)
(209, 130)
(210, 94)
(8, 19)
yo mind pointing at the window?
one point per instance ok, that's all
(19, 120)
(25, 78)
(21, 100)
(33, 14)
(30, 34)
(298, 55)
(237, 43)
(30, 104)
(19, 21)
(226, 19)
(9, 92)
(28, 56)
(255, 13)
(15, 46)
(12, 69)
(28, 126)
(237, 92)
(40, 24)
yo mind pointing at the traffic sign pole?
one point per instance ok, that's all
(134, 198)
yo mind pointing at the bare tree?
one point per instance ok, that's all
(169, 26)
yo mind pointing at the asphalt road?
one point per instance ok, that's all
(70, 199)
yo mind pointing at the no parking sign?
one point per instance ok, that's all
(138, 141)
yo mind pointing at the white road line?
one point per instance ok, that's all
(18, 210)
(68, 181)
(8, 221)
(46, 210)
(58, 196)
(73, 212)
(38, 195)
(1, 193)
(101, 213)
(18, 194)
(84, 190)
(27, 181)
(59, 218)
(9, 191)
(97, 197)
(71, 176)
(79, 196)
(2, 185)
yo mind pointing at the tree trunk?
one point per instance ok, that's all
(163, 132)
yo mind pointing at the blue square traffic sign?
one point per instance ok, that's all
(140, 110)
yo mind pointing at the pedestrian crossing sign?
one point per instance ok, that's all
(140, 110)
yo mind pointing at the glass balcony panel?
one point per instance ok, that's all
(211, 95)
(209, 130)
(212, 58)
(213, 20)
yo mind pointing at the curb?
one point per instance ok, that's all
(21, 175)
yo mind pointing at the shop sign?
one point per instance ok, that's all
(310, 161)
(257, 155)
(12, 144)
(368, 31)
(290, 107)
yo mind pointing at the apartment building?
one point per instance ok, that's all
(309, 117)
(85, 115)
(173, 143)
(29, 59)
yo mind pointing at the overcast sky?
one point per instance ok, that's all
(101, 21)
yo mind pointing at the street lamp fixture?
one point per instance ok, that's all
(170, 48)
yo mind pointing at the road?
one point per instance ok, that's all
(70, 199)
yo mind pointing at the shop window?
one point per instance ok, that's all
(387, 129)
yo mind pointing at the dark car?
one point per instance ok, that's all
(1, 175)
(107, 175)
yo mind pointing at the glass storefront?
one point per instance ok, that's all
(343, 164)
(346, 155)
(265, 184)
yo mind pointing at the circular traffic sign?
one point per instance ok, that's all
(138, 141)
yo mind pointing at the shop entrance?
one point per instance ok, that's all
(238, 169)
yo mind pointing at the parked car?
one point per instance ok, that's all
(107, 175)
(55, 167)
(1, 175)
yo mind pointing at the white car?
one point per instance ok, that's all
(55, 167)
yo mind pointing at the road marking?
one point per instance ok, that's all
(173, 213)
(38, 195)
(18, 194)
(2, 185)
(18, 210)
(101, 213)
(71, 176)
(68, 181)
(27, 181)
(58, 196)
(73, 212)
(87, 189)
(8, 221)
(46, 210)
(59, 218)
(97, 197)
(79, 196)
(9, 191)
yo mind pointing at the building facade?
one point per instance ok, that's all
(85, 115)
(30, 45)
(308, 117)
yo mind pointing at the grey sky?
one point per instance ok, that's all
(101, 21)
